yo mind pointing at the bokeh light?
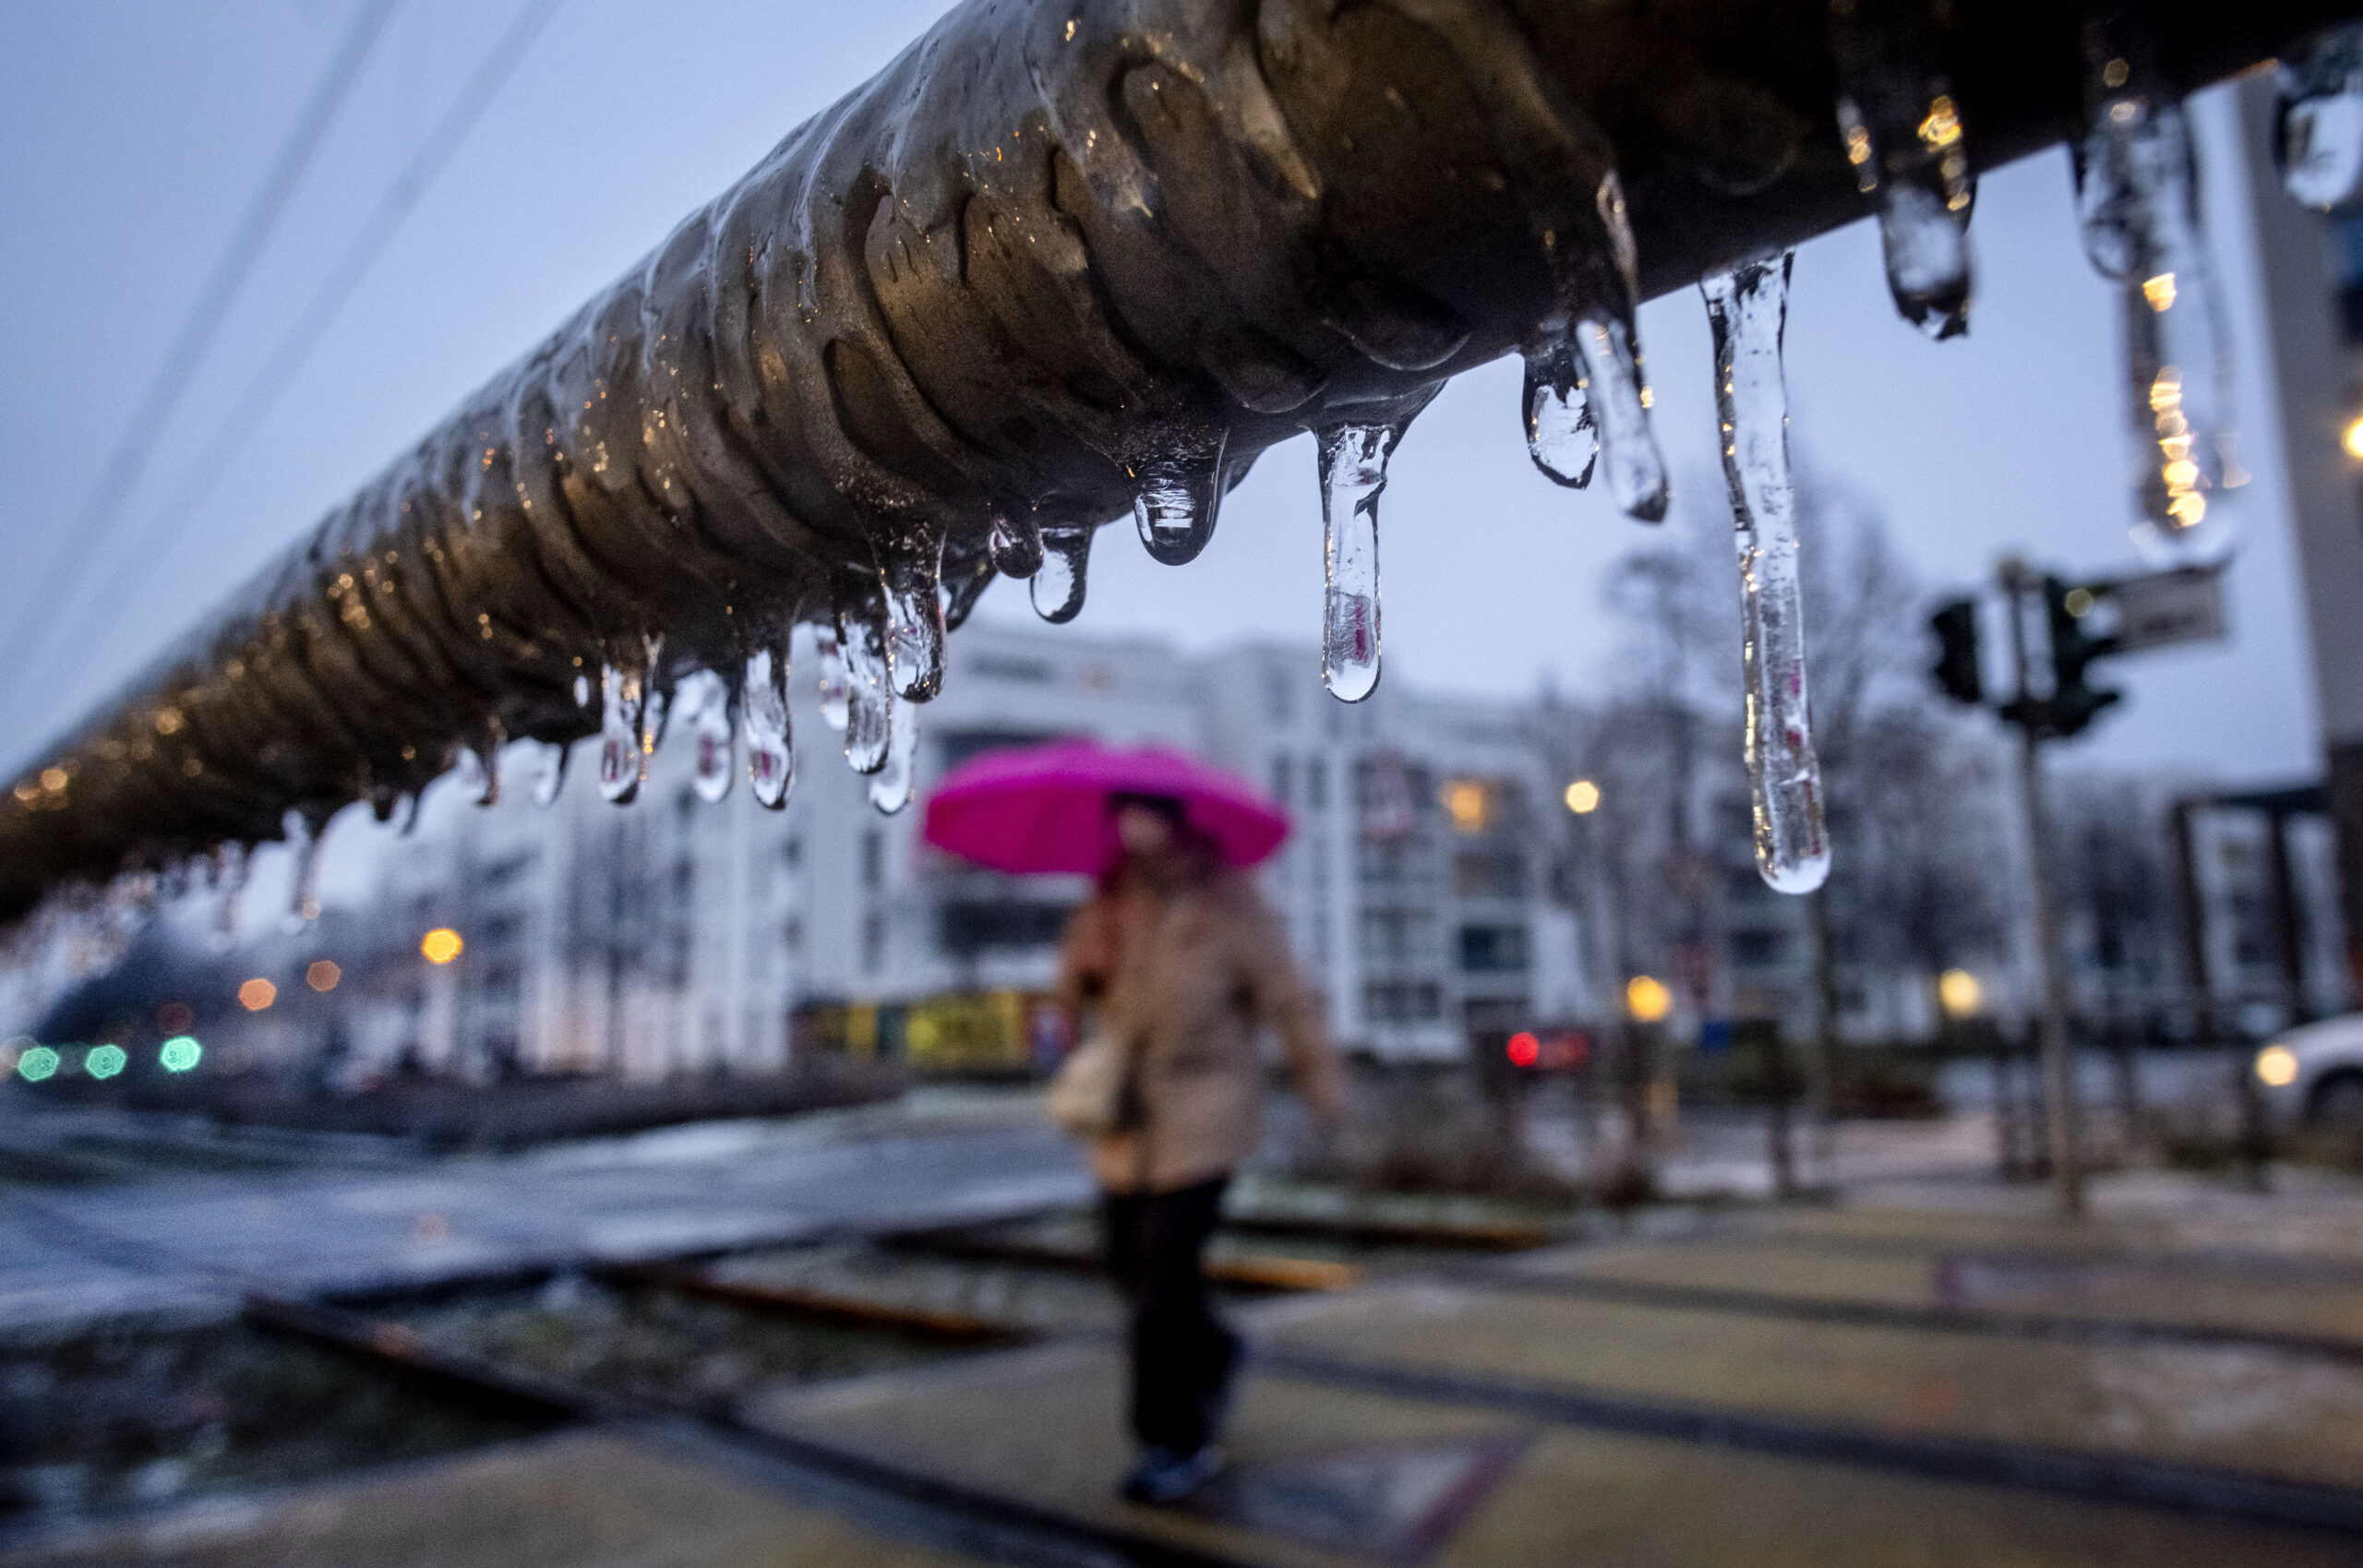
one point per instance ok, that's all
(104, 1061)
(1958, 992)
(1583, 797)
(37, 1064)
(256, 993)
(441, 945)
(180, 1053)
(1646, 999)
(1524, 1050)
(323, 975)
(2276, 1066)
(175, 1018)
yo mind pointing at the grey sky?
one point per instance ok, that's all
(133, 132)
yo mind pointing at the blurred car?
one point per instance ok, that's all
(2312, 1075)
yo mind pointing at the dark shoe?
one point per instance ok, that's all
(1167, 1475)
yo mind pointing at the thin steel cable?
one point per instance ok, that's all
(263, 389)
(87, 536)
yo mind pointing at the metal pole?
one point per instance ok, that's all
(2058, 1070)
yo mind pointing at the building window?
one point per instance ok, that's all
(1282, 781)
(1489, 874)
(972, 926)
(1316, 784)
(873, 942)
(873, 859)
(1394, 1001)
(1494, 949)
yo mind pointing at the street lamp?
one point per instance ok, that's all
(1583, 797)
(1646, 999)
(1958, 992)
(441, 945)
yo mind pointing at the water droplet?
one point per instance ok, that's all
(771, 756)
(870, 694)
(2317, 121)
(626, 741)
(2137, 195)
(1560, 435)
(546, 771)
(911, 573)
(1748, 309)
(1181, 492)
(1904, 133)
(1058, 586)
(890, 787)
(1016, 547)
(837, 691)
(703, 700)
(1353, 473)
(1618, 398)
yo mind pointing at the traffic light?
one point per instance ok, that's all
(1956, 666)
(2073, 704)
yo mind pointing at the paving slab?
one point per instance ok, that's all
(2235, 1407)
(583, 1500)
(1043, 1425)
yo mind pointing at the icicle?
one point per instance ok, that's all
(869, 693)
(2318, 122)
(837, 691)
(762, 701)
(1058, 585)
(1904, 136)
(478, 765)
(965, 579)
(583, 691)
(626, 737)
(1353, 473)
(1748, 309)
(230, 886)
(1179, 495)
(303, 886)
(912, 575)
(1585, 395)
(1016, 547)
(705, 705)
(890, 787)
(2136, 193)
(546, 771)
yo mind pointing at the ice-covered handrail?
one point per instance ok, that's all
(1061, 260)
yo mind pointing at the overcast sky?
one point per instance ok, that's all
(133, 133)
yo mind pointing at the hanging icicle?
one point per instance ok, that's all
(910, 575)
(762, 701)
(836, 689)
(705, 704)
(1058, 584)
(869, 690)
(1179, 495)
(1016, 547)
(544, 770)
(1903, 135)
(890, 787)
(1353, 473)
(2137, 195)
(310, 841)
(626, 737)
(1748, 310)
(2317, 121)
(1585, 397)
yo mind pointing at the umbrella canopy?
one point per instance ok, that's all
(1044, 809)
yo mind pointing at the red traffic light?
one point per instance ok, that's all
(1524, 1050)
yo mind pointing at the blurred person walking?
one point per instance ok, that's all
(1177, 961)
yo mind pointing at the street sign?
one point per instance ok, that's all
(2164, 608)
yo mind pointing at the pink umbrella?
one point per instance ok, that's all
(1044, 808)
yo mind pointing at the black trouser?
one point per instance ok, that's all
(1181, 1356)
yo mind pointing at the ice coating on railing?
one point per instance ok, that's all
(2137, 198)
(1353, 475)
(545, 770)
(1180, 495)
(911, 576)
(837, 686)
(1057, 589)
(890, 787)
(2318, 120)
(625, 737)
(763, 703)
(703, 700)
(1748, 310)
(1902, 131)
(1585, 398)
(869, 690)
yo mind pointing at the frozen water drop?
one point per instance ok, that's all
(911, 575)
(625, 740)
(961, 593)
(2317, 121)
(1748, 310)
(583, 691)
(475, 780)
(230, 887)
(1016, 545)
(1560, 434)
(1904, 135)
(869, 691)
(303, 886)
(544, 770)
(1353, 473)
(1619, 400)
(703, 698)
(837, 691)
(890, 787)
(1057, 588)
(2136, 196)
(762, 699)
(1179, 496)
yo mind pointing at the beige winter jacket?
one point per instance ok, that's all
(1187, 974)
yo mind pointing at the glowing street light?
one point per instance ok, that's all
(1646, 999)
(2353, 438)
(1958, 993)
(256, 993)
(441, 945)
(1583, 797)
(2276, 1066)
